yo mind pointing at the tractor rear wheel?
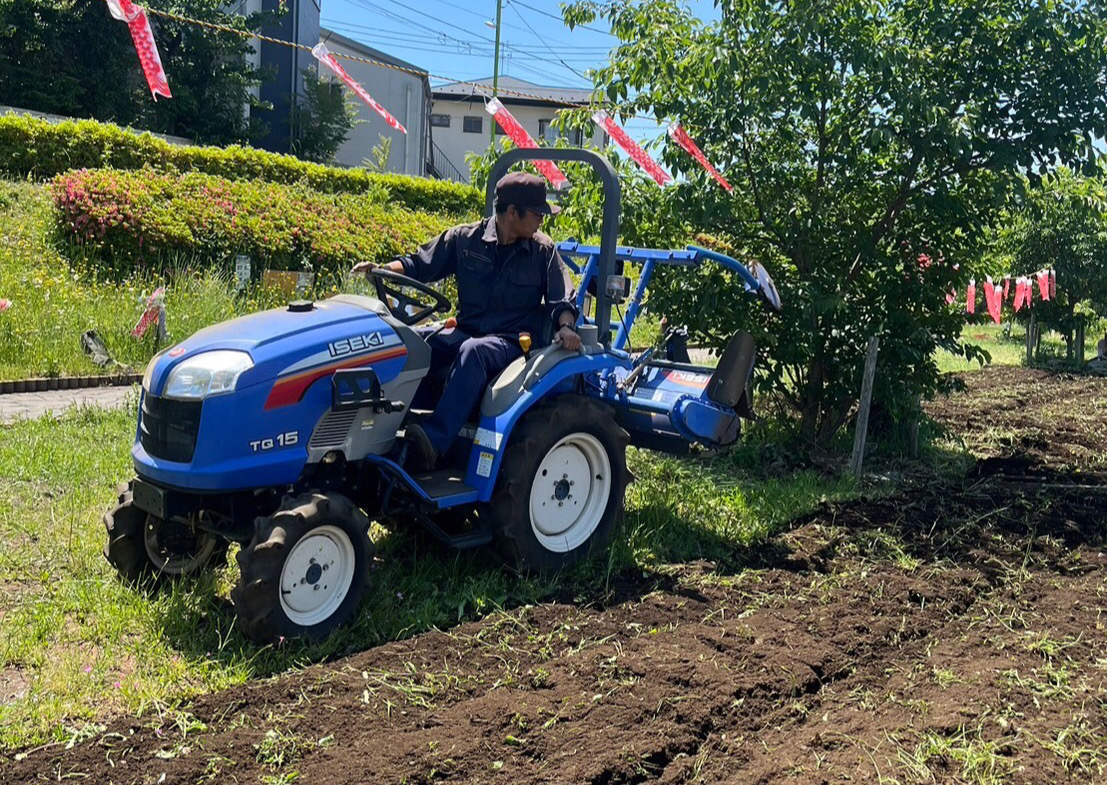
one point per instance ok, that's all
(562, 483)
(141, 547)
(305, 570)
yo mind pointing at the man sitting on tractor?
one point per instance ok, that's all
(510, 280)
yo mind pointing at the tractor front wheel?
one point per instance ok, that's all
(141, 547)
(305, 570)
(563, 479)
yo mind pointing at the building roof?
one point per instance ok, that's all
(534, 94)
(368, 51)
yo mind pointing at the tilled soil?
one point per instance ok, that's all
(952, 633)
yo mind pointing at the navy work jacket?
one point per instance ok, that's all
(502, 290)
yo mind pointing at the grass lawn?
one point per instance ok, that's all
(77, 645)
(1004, 349)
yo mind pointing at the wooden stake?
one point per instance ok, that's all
(862, 427)
(1030, 338)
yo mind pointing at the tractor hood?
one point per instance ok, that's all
(290, 348)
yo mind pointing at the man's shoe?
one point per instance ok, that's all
(421, 455)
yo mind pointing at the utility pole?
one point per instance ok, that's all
(496, 71)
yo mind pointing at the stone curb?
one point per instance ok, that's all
(69, 383)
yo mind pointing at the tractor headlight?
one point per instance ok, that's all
(206, 374)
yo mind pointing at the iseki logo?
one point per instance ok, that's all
(355, 345)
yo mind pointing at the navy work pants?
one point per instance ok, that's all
(469, 364)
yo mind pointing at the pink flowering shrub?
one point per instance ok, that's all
(39, 149)
(125, 220)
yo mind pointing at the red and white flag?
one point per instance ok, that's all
(324, 56)
(155, 312)
(524, 140)
(681, 137)
(633, 149)
(1043, 283)
(143, 37)
(993, 294)
(970, 297)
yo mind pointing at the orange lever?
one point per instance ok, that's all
(524, 342)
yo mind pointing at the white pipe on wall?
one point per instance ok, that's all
(407, 124)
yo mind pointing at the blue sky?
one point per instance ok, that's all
(450, 38)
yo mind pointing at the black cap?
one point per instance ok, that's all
(526, 192)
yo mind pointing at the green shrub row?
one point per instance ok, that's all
(127, 221)
(30, 147)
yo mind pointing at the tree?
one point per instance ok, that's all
(870, 144)
(1063, 225)
(71, 57)
(321, 119)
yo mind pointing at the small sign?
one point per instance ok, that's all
(292, 284)
(241, 272)
(484, 464)
(303, 283)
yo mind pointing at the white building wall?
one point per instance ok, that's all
(252, 57)
(403, 95)
(455, 143)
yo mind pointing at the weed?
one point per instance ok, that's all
(278, 749)
(981, 762)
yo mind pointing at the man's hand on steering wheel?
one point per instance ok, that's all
(389, 281)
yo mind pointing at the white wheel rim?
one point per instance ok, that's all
(569, 492)
(180, 565)
(317, 575)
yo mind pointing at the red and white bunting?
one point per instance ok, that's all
(324, 56)
(5, 304)
(633, 149)
(524, 140)
(1043, 283)
(681, 137)
(993, 294)
(143, 37)
(1020, 293)
(155, 312)
(970, 297)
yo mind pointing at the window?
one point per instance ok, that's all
(547, 132)
(440, 120)
(473, 124)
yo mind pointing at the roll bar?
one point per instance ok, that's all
(612, 207)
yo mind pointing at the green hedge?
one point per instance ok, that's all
(35, 148)
(146, 219)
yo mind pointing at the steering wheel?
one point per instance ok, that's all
(388, 285)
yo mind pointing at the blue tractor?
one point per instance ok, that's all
(279, 431)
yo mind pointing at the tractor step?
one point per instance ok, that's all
(446, 486)
(472, 538)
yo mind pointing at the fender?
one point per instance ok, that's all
(494, 431)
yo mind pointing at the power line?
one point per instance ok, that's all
(394, 37)
(562, 20)
(418, 25)
(543, 40)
